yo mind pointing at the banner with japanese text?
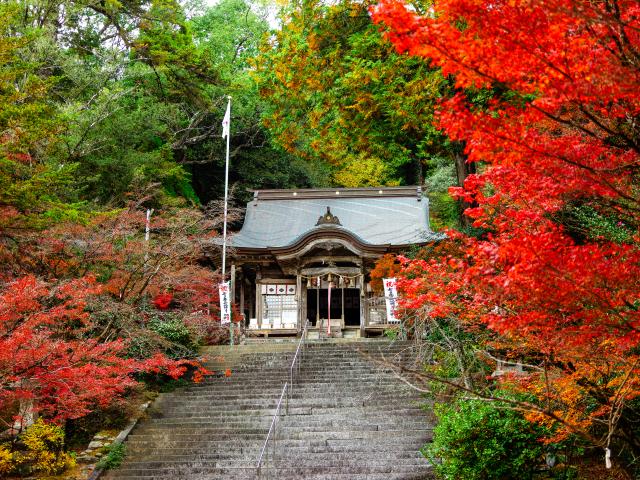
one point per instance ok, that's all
(391, 298)
(225, 303)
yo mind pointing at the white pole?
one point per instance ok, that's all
(147, 227)
(147, 235)
(226, 199)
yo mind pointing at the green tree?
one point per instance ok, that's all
(339, 93)
(228, 35)
(32, 187)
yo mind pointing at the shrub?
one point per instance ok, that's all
(43, 452)
(165, 332)
(162, 301)
(6, 461)
(479, 440)
(114, 457)
(173, 329)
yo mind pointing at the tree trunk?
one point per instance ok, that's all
(463, 170)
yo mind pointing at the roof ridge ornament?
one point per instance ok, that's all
(328, 219)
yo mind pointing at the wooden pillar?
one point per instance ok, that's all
(299, 321)
(258, 305)
(342, 292)
(252, 300)
(364, 311)
(318, 305)
(242, 295)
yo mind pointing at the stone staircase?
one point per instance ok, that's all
(348, 419)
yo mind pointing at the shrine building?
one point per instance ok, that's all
(307, 254)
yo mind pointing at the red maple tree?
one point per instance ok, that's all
(548, 103)
(48, 356)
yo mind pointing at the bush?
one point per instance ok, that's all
(114, 457)
(479, 440)
(165, 332)
(172, 329)
(6, 461)
(43, 452)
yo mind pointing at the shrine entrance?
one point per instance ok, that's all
(297, 248)
(345, 305)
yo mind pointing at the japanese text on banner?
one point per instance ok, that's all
(391, 298)
(225, 303)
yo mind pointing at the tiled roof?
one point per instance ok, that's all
(380, 216)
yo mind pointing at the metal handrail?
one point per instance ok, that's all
(295, 364)
(264, 453)
(286, 390)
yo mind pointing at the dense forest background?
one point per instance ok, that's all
(100, 102)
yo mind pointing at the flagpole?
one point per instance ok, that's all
(226, 200)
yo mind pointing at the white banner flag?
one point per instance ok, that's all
(226, 121)
(391, 297)
(225, 303)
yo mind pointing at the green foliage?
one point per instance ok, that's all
(115, 455)
(489, 440)
(479, 440)
(444, 210)
(391, 333)
(338, 93)
(228, 35)
(122, 97)
(165, 331)
(30, 184)
(173, 329)
(585, 222)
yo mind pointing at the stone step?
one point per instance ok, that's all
(310, 357)
(319, 423)
(323, 358)
(267, 399)
(386, 434)
(336, 369)
(349, 417)
(310, 350)
(302, 472)
(291, 452)
(152, 445)
(295, 409)
(255, 444)
(318, 460)
(346, 385)
(242, 405)
(250, 474)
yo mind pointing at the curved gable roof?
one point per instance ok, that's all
(379, 216)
